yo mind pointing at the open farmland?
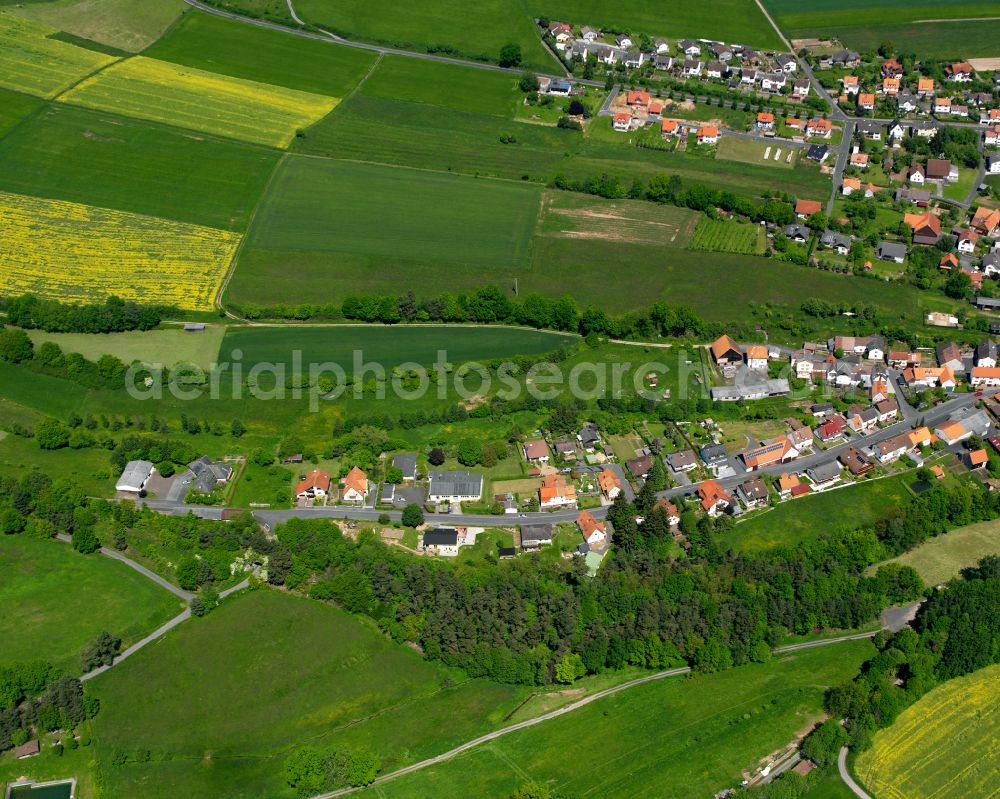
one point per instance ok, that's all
(580, 216)
(192, 98)
(97, 158)
(14, 108)
(943, 557)
(243, 51)
(132, 256)
(127, 24)
(384, 346)
(944, 746)
(282, 671)
(673, 739)
(717, 235)
(167, 346)
(31, 62)
(46, 584)
(930, 28)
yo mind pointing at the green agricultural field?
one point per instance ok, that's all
(167, 347)
(127, 24)
(98, 158)
(51, 395)
(54, 600)
(31, 62)
(245, 51)
(716, 235)
(14, 108)
(447, 85)
(943, 557)
(283, 671)
(931, 28)
(387, 346)
(807, 518)
(449, 27)
(672, 739)
(200, 100)
(943, 746)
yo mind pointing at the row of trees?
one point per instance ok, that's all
(114, 315)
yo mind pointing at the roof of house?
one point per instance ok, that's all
(724, 345)
(926, 223)
(639, 466)
(608, 480)
(786, 482)
(891, 249)
(986, 219)
(854, 460)
(455, 483)
(765, 116)
(978, 457)
(356, 480)
(623, 116)
(406, 463)
(637, 98)
(536, 449)
(808, 207)
(711, 493)
(948, 261)
(852, 183)
(707, 131)
(441, 537)
(756, 351)
(317, 479)
(713, 452)
(823, 472)
(536, 533)
(668, 125)
(938, 167)
(769, 452)
(925, 84)
(588, 524)
(951, 429)
(135, 473)
(754, 488)
(681, 459)
(867, 98)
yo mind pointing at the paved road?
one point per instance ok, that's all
(843, 155)
(845, 775)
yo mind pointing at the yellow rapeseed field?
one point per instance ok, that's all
(192, 98)
(946, 746)
(70, 251)
(34, 64)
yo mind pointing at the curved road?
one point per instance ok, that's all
(845, 775)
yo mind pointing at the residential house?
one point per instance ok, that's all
(682, 461)
(721, 51)
(976, 458)
(661, 46)
(991, 264)
(869, 129)
(134, 477)
(907, 102)
(939, 319)
(985, 377)
(960, 72)
(456, 485)
(622, 121)
(714, 498)
(773, 82)
(534, 536)
(822, 128)
(786, 482)
(990, 116)
(890, 86)
(752, 492)
(891, 251)
(836, 241)
(849, 186)
(798, 125)
(589, 34)
(639, 467)
(993, 163)
(924, 129)
(916, 174)
(609, 483)
(949, 354)
(821, 410)
(623, 40)
(941, 169)
(818, 152)
(589, 437)
(756, 357)
(670, 510)
(407, 464)
(846, 58)
(851, 85)
(901, 359)
(942, 106)
(892, 449)
(748, 77)
(663, 62)
(765, 121)
(565, 448)
(806, 208)
(975, 276)
(967, 240)
(556, 492)
(209, 474)
(442, 540)
(888, 410)
(986, 221)
(593, 531)
(926, 228)
(952, 432)
(855, 461)
(316, 485)
(925, 87)
(726, 351)
(919, 197)
(824, 475)
(777, 450)
(787, 63)
(708, 134)
(634, 59)
(798, 233)
(991, 136)
(897, 130)
(668, 128)
(859, 159)
(866, 102)
(891, 68)
(801, 88)
(716, 69)
(692, 67)
(25, 750)
(638, 98)
(355, 486)
(536, 451)
(864, 420)
(690, 48)
(715, 455)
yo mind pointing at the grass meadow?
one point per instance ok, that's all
(53, 601)
(88, 469)
(671, 739)
(32, 63)
(930, 28)
(383, 345)
(232, 48)
(943, 746)
(126, 24)
(228, 697)
(807, 518)
(200, 100)
(99, 158)
(447, 26)
(130, 255)
(167, 346)
(943, 557)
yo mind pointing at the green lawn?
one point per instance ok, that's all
(103, 159)
(864, 25)
(226, 699)
(960, 189)
(943, 557)
(167, 347)
(88, 469)
(387, 346)
(54, 600)
(677, 738)
(245, 51)
(15, 107)
(127, 24)
(806, 518)
(752, 152)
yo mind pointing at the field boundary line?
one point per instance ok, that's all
(472, 175)
(45, 105)
(231, 269)
(360, 83)
(961, 19)
(88, 76)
